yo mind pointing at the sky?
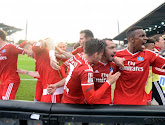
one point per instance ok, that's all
(62, 20)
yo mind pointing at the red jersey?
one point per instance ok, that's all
(130, 87)
(47, 74)
(78, 50)
(79, 85)
(101, 72)
(8, 63)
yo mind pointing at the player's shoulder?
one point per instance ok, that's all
(147, 51)
(11, 45)
(121, 51)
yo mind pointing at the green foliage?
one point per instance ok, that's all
(27, 86)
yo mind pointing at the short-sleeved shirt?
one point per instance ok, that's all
(8, 63)
(130, 87)
(47, 74)
(79, 85)
(101, 72)
(78, 50)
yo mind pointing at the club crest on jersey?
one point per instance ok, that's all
(4, 50)
(90, 77)
(139, 58)
(111, 69)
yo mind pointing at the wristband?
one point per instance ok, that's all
(51, 53)
(108, 83)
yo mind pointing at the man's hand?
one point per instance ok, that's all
(51, 88)
(113, 78)
(54, 63)
(119, 61)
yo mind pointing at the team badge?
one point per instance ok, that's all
(90, 77)
(4, 50)
(111, 69)
(139, 58)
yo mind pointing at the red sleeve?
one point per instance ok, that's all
(158, 71)
(87, 84)
(16, 49)
(156, 60)
(74, 52)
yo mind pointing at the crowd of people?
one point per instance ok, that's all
(87, 74)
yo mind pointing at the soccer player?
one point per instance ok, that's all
(130, 87)
(84, 36)
(79, 84)
(103, 68)
(9, 78)
(46, 73)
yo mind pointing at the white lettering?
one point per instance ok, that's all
(132, 68)
(130, 63)
(3, 57)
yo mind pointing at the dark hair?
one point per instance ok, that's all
(94, 45)
(88, 33)
(130, 32)
(76, 45)
(2, 35)
(104, 40)
(151, 40)
(157, 37)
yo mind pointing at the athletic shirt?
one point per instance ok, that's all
(78, 50)
(79, 85)
(8, 63)
(47, 74)
(130, 87)
(101, 72)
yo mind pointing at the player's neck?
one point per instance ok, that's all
(103, 59)
(131, 48)
(2, 43)
(86, 57)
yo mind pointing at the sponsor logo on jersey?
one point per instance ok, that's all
(90, 77)
(3, 57)
(139, 58)
(96, 71)
(4, 50)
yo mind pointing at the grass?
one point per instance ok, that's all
(26, 89)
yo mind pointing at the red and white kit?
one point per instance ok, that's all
(79, 85)
(130, 87)
(9, 78)
(47, 74)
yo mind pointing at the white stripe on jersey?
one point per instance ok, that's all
(88, 84)
(77, 59)
(159, 69)
(53, 97)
